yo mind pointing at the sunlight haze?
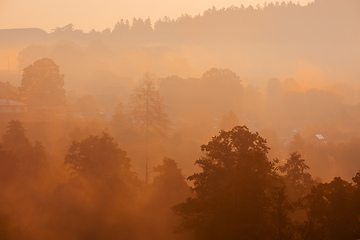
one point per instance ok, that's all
(179, 119)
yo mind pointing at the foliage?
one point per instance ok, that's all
(232, 193)
(168, 188)
(298, 181)
(333, 211)
(97, 156)
(222, 90)
(170, 182)
(3, 226)
(28, 160)
(42, 84)
(97, 202)
(24, 173)
(15, 139)
(280, 213)
(146, 107)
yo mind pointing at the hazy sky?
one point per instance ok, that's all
(101, 14)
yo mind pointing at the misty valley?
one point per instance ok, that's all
(238, 123)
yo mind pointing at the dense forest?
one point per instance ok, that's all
(239, 123)
(238, 193)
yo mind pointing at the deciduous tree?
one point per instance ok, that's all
(147, 112)
(333, 211)
(298, 181)
(31, 161)
(99, 157)
(147, 109)
(42, 84)
(233, 191)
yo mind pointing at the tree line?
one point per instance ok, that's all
(239, 193)
(219, 99)
(235, 23)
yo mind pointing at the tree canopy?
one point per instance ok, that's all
(97, 156)
(147, 108)
(232, 193)
(29, 161)
(299, 182)
(42, 84)
(15, 138)
(333, 211)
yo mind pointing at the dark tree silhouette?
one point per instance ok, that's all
(167, 189)
(97, 156)
(15, 138)
(298, 181)
(333, 211)
(97, 202)
(31, 161)
(232, 193)
(4, 231)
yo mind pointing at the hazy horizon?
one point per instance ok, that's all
(25, 14)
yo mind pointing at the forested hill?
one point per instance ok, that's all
(330, 21)
(279, 40)
(22, 36)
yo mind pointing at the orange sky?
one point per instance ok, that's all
(101, 14)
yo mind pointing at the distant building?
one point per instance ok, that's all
(10, 99)
(67, 28)
(321, 138)
(9, 91)
(12, 106)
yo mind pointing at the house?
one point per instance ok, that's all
(9, 91)
(10, 99)
(12, 106)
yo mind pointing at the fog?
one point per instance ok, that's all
(109, 134)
